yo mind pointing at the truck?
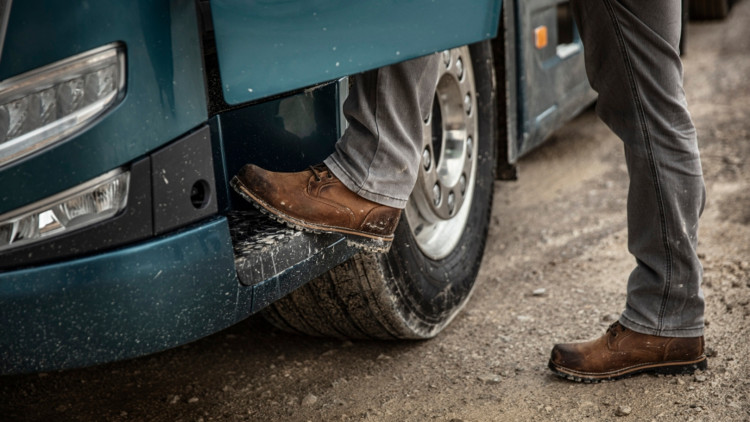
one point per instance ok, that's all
(121, 124)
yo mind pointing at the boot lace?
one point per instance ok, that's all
(320, 171)
(615, 329)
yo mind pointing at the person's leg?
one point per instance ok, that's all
(632, 61)
(361, 188)
(378, 155)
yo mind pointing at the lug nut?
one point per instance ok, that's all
(467, 103)
(436, 194)
(451, 202)
(469, 146)
(447, 58)
(462, 183)
(426, 160)
(460, 68)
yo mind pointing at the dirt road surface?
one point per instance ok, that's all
(561, 228)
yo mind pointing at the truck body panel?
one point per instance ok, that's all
(268, 47)
(165, 93)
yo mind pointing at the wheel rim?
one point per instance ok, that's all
(438, 209)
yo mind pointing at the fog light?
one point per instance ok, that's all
(47, 105)
(81, 206)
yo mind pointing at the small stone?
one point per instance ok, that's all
(711, 352)
(623, 411)
(174, 399)
(524, 318)
(489, 378)
(700, 378)
(383, 357)
(309, 400)
(124, 414)
(193, 400)
(539, 292)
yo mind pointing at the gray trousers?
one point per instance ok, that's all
(378, 155)
(632, 61)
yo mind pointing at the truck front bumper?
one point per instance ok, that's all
(127, 302)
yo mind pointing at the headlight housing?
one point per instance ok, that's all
(44, 106)
(84, 205)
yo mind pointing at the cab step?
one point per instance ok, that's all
(274, 259)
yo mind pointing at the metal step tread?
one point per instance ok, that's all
(265, 249)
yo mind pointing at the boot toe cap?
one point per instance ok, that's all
(565, 355)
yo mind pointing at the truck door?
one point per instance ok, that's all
(550, 82)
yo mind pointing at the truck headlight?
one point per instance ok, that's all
(46, 105)
(81, 206)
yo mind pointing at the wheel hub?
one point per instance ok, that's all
(438, 209)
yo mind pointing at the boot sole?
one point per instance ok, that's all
(362, 240)
(665, 368)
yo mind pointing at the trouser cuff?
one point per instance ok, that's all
(664, 332)
(349, 182)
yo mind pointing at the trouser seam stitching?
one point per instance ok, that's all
(651, 161)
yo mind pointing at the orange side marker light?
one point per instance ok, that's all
(540, 37)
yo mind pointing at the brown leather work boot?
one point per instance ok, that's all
(315, 200)
(622, 352)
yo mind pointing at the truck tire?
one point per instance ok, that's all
(709, 9)
(417, 288)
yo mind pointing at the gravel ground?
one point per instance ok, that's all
(555, 270)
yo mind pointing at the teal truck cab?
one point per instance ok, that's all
(121, 124)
